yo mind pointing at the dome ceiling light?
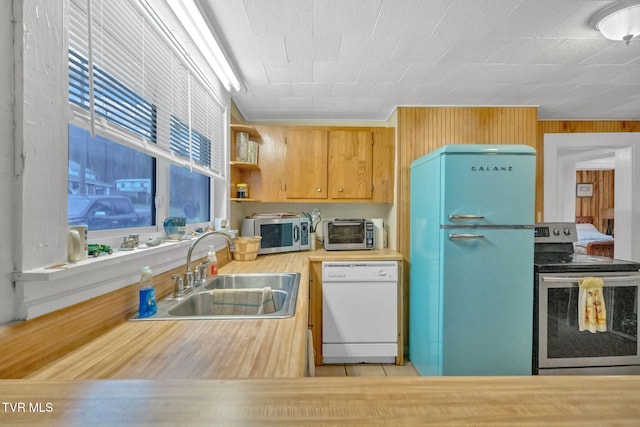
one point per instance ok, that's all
(618, 21)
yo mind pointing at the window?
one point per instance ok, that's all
(98, 168)
(198, 145)
(189, 195)
(142, 113)
(112, 100)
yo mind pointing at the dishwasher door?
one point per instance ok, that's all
(359, 312)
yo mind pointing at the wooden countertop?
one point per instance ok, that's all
(327, 401)
(381, 254)
(206, 349)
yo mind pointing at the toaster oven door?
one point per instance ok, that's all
(345, 234)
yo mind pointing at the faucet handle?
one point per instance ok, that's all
(202, 269)
(179, 286)
(188, 280)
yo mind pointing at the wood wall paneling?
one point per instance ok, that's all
(27, 346)
(603, 195)
(425, 129)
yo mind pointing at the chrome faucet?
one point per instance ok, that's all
(188, 276)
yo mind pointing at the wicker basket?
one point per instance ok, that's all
(246, 248)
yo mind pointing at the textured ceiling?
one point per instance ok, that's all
(359, 59)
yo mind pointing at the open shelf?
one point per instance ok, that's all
(253, 133)
(245, 165)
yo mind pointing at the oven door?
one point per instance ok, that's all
(560, 342)
(345, 234)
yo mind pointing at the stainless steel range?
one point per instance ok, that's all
(559, 347)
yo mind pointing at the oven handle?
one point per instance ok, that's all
(576, 279)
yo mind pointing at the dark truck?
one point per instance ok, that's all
(105, 212)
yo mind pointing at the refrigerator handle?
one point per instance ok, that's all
(453, 236)
(453, 217)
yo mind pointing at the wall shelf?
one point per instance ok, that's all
(245, 165)
(235, 199)
(252, 131)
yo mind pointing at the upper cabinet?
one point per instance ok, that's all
(350, 164)
(306, 164)
(323, 164)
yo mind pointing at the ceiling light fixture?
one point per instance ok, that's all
(191, 19)
(618, 21)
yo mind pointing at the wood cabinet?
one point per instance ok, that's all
(350, 163)
(339, 164)
(313, 163)
(315, 309)
(306, 164)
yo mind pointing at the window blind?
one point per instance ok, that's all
(124, 70)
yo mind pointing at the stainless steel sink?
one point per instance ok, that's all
(199, 304)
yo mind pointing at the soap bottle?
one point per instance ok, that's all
(147, 306)
(212, 263)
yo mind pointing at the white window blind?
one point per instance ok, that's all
(135, 84)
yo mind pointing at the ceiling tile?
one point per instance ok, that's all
(293, 17)
(290, 72)
(319, 48)
(353, 17)
(473, 50)
(386, 72)
(366, 48)
(352, 89)
(331, 59)
(294, 103)
(409, 18)
(311, 89)
(335, 72)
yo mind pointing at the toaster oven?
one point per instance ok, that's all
(348, 234)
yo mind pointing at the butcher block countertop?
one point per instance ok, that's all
(207, 349)
(538, 401)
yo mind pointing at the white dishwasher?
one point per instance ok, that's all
(360, 311)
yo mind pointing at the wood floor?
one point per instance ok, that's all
(366, 370)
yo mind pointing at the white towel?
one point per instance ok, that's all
(592, 314)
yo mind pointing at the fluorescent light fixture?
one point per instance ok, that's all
(191, 19)
(618, 21)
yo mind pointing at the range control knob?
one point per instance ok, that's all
(556, 232)
(567, 232)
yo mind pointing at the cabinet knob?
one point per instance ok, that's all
(318, 189)
(340, 189)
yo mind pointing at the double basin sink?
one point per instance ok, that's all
(201, 303)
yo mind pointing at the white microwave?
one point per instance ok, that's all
(278, 234)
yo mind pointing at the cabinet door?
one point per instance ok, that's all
(315, 309)
(306, 164)
(383, 164)
(350, 164)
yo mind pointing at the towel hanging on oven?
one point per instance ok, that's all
(592, 314)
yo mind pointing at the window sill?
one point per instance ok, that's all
(44, 290)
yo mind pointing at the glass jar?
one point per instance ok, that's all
(242, 146)
(242, 191)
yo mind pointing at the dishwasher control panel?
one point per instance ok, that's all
(360, 271)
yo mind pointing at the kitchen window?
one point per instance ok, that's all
(146, 124)
(189, 195)
(99, 168)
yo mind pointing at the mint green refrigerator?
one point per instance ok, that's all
(471, 260)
